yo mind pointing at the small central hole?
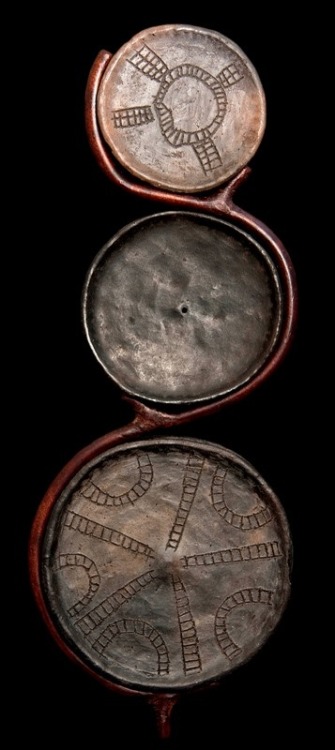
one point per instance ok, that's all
(184, 309)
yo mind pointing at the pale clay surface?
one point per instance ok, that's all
(181, 108)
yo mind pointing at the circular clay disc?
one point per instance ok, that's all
(165, 563)
(181, 107)
(180, 307)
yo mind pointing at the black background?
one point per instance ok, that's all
(68, 401)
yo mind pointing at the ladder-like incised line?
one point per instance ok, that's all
(149, 63)
(188, 634)
(91, 491)
(132, 117)
(136, 627)
(243, 521)
(96, 616)
(207, 154)
(78, 560)
(230, 74)
(261, 551)
(84, 525)
(190, 485)
(245, 596)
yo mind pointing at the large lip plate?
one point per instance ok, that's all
(276, 571)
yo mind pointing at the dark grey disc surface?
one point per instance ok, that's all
(166, 563)
(180, 307)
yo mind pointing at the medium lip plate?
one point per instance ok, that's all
(180, 308)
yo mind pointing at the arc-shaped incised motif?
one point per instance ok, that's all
(245, 596)
(138, 627)
(198, 602)
(95, 494)
(243, 521)
(177, 136)
(78, 560)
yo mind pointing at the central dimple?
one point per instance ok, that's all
(167, 564)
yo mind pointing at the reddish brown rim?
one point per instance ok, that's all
(144, 421)
(147, 419)
(162, 702)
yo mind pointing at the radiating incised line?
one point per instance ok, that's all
(190, 485)
(84, 525)
(187, 629)
(247, 552)
(96, 616)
